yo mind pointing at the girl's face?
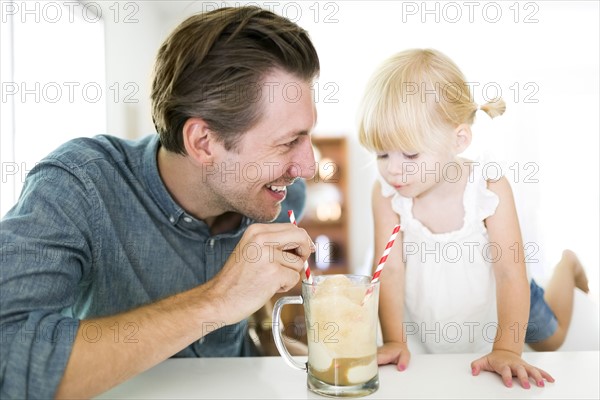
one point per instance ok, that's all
(413, 175)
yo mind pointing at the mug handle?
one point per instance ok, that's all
(277, 332)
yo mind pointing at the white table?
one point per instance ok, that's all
(428, 376)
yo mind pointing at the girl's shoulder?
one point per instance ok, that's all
(483, 191)
(488, 174)
(382, 205)
(500, 187)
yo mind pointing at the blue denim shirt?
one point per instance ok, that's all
(95, 233)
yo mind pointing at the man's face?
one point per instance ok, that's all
(254, 176)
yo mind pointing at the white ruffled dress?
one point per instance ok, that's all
(450, 294)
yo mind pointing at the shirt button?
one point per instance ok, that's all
(172, 219)
(187, 219)
(202, 339)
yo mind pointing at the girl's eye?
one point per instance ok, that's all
(411, 156)
(381, 156)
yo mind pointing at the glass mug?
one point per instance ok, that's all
(341, 321)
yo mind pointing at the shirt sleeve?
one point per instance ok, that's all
(46, 253)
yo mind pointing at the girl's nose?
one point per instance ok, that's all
(395, 165)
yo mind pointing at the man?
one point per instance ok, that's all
(121, 254)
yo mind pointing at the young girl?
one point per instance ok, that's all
(456, 277)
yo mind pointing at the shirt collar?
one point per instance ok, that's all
(156, 187)
(162, 197)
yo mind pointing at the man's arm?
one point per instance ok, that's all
(173, 323)
(47, 252)
(101, 358)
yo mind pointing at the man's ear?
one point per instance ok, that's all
(198, 140)
(463, 137)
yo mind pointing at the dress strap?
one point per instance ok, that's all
(479, 201)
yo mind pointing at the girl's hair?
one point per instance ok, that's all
(414, 100)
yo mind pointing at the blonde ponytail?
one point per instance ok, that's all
(494, 108)
(414, 100)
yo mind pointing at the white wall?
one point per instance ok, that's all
(53, 84)
(543, 56)
(551, 122)
(134, 32)
(549, 52)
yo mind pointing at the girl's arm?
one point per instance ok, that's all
(512, 294)
(391, 296)
(512, 287)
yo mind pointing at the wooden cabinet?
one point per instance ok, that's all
(327, 205)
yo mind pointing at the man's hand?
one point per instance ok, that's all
(267, 260)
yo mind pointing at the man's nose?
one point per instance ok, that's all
(303, 164)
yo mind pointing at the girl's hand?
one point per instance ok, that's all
(508, 364)
(394, 353)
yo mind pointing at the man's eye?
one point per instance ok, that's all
(292, 143)
(381, 155)
(411, 156)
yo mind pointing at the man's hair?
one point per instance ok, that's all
(213, 66)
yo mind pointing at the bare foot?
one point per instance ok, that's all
(581, 280)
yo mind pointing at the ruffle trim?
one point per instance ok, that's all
(478, 201)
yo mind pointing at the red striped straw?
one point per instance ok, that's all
(306, 267)
(382, 260)
(386, 253)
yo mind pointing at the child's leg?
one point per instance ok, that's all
(568, 275)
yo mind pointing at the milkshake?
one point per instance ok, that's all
(341, 332)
